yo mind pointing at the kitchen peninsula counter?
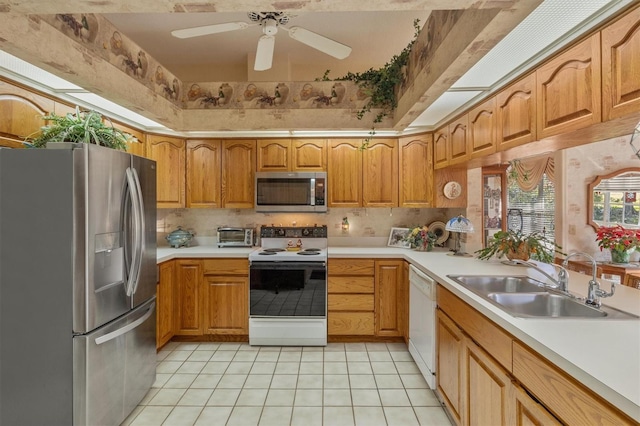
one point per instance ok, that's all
(602, 354)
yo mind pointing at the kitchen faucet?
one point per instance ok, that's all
(561, 283)
(594, 293)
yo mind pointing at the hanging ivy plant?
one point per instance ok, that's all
(380, 84)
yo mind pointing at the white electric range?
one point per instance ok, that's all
(288, 287)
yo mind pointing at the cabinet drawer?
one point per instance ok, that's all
(568, 400)
(350, 323)
(226, 267)
(351, 284)
(350, 302)
(351, 267)
(480, 329)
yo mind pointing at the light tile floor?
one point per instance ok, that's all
(237, 384)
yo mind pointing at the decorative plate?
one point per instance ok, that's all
(452, 190)
(441, 233)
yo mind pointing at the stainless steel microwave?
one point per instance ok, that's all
(291, 191)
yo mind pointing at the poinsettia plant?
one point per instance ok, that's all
(617, 238)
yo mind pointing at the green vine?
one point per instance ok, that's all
(380, 84)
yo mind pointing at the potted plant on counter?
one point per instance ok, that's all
(620, 241)
(84, 127)
(518, 245)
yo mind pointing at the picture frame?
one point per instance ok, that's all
(396, 238)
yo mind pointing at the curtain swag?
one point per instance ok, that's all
(528, 173)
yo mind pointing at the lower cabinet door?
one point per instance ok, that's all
(226, 305)
(449, 365)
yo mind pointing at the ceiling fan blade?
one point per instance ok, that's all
(321, 43)
(264, 53)
(209, 29)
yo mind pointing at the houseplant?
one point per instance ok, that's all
(620, 241)
(84, 127)
(421, 238)
(518, 245)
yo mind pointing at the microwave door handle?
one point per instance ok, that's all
(313, 192)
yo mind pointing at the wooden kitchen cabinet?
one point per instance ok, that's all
(344, 173)
(165, 309)
(415, 187)
(169, 154)
(482, 129)
(136, 148)
(238, 173)
(274, 155)
(380, 174)
(450, 347)
(226, 296)
(350, 303)
(292, 155)
(188, 298)
(516, 113)
(21, 111)
(458, 141)
(391, 298)
(204, 173)
(621, 67)
(440, 148)
(309, 155)
(487, 376)
(568, 89)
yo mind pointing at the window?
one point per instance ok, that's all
(532, 210)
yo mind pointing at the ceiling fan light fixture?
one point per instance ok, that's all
(270, 27)
(264, 53)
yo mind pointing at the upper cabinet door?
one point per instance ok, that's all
(238, 175)
(309, 155)
(458, 141)
(344, 177)
(204, 173)
(440, 148)
(621, 67)
(274, 155)
(380, 174)
(482, 129)
(169, 154)
(568, 89)
(416, 172)
(21, 111)
(516, 113)
(136, 148)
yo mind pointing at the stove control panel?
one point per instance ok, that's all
(293, 231)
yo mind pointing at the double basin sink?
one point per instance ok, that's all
(522, 296)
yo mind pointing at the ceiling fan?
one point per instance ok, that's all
(270, 22)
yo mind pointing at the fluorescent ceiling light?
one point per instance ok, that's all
(551, 21)
(443, 106)
(36, 75)
(106, 105)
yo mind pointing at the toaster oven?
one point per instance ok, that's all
(236, 237)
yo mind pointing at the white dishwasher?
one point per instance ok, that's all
(422, 323)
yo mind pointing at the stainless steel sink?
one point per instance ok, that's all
(525, 297)
(484, 284)
(544, 305)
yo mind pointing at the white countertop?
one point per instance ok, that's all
(602, 354)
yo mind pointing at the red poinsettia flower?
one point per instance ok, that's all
(617, 238)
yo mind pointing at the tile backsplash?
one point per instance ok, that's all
(367, 226)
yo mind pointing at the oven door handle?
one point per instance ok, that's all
(285, 265)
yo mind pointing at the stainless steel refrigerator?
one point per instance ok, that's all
(77, 284)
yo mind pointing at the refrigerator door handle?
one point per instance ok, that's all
(134, 270)
(127, 328)
(141, 227)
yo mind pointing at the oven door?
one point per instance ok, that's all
(288, 289)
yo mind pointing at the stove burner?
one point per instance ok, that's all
(272, 250)
(312, 249)
(308, 252)
(267, 253)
